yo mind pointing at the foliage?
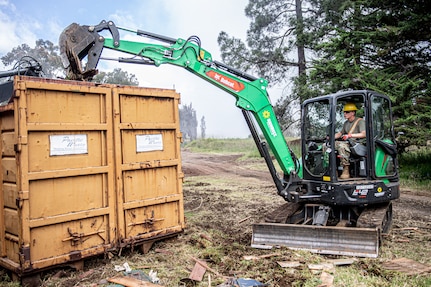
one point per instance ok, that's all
(117, 76)
(188, 122)
(45, 52)
(288, 113)
(366, 44)
(203, 127)
(275, 33)
(415, 169)
(379, 45)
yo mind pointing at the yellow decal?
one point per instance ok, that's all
(266, 114)
(202, 55)
(326, 178)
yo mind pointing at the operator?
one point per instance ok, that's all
(353, 128)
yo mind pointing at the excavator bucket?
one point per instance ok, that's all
(84, 42)
(361, 242)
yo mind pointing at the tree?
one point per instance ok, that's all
(188, 122)
(383, 46)
(276, 32)
(45, 52)
(203, 127)
(117, 76)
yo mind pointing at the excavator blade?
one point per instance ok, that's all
(361, 242)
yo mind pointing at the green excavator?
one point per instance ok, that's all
(322, 211)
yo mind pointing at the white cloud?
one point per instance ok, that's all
(12, 31)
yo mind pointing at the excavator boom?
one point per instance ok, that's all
(79, 42)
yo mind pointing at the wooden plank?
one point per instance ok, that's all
(407, 266)
(198, 272)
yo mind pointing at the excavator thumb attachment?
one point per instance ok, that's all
(361, 242)
(78, 42)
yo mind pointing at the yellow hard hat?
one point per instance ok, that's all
(348, 107)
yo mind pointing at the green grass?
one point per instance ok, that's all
(415, 169)
(243, 146)
(247, 146)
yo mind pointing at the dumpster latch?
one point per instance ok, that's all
(77, 238)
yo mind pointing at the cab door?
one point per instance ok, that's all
(383, 147)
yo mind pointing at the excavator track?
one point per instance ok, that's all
(362, 240)
(283, 212)
(379, 216)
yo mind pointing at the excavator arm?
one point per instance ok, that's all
(79, 42)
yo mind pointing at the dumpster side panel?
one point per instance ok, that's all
(57, 173)
(9, 229)
(147, 151)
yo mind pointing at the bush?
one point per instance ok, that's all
(415, 168)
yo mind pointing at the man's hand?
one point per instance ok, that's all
(346, 137)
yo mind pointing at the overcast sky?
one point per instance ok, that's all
(23, 21)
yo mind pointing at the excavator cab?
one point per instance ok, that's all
(373, 175)
(328, 214)
(371, 158)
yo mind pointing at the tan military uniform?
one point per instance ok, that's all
(343, 147)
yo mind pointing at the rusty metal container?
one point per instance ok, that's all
(148, 165)
(85, 168)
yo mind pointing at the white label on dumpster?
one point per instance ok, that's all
(67, 144)
(149, 142)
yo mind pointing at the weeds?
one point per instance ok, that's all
(415, 169)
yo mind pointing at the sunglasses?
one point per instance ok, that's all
(348, 112)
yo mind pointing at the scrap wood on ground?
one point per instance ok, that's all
(407, 266)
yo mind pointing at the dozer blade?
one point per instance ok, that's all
(361, 242)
